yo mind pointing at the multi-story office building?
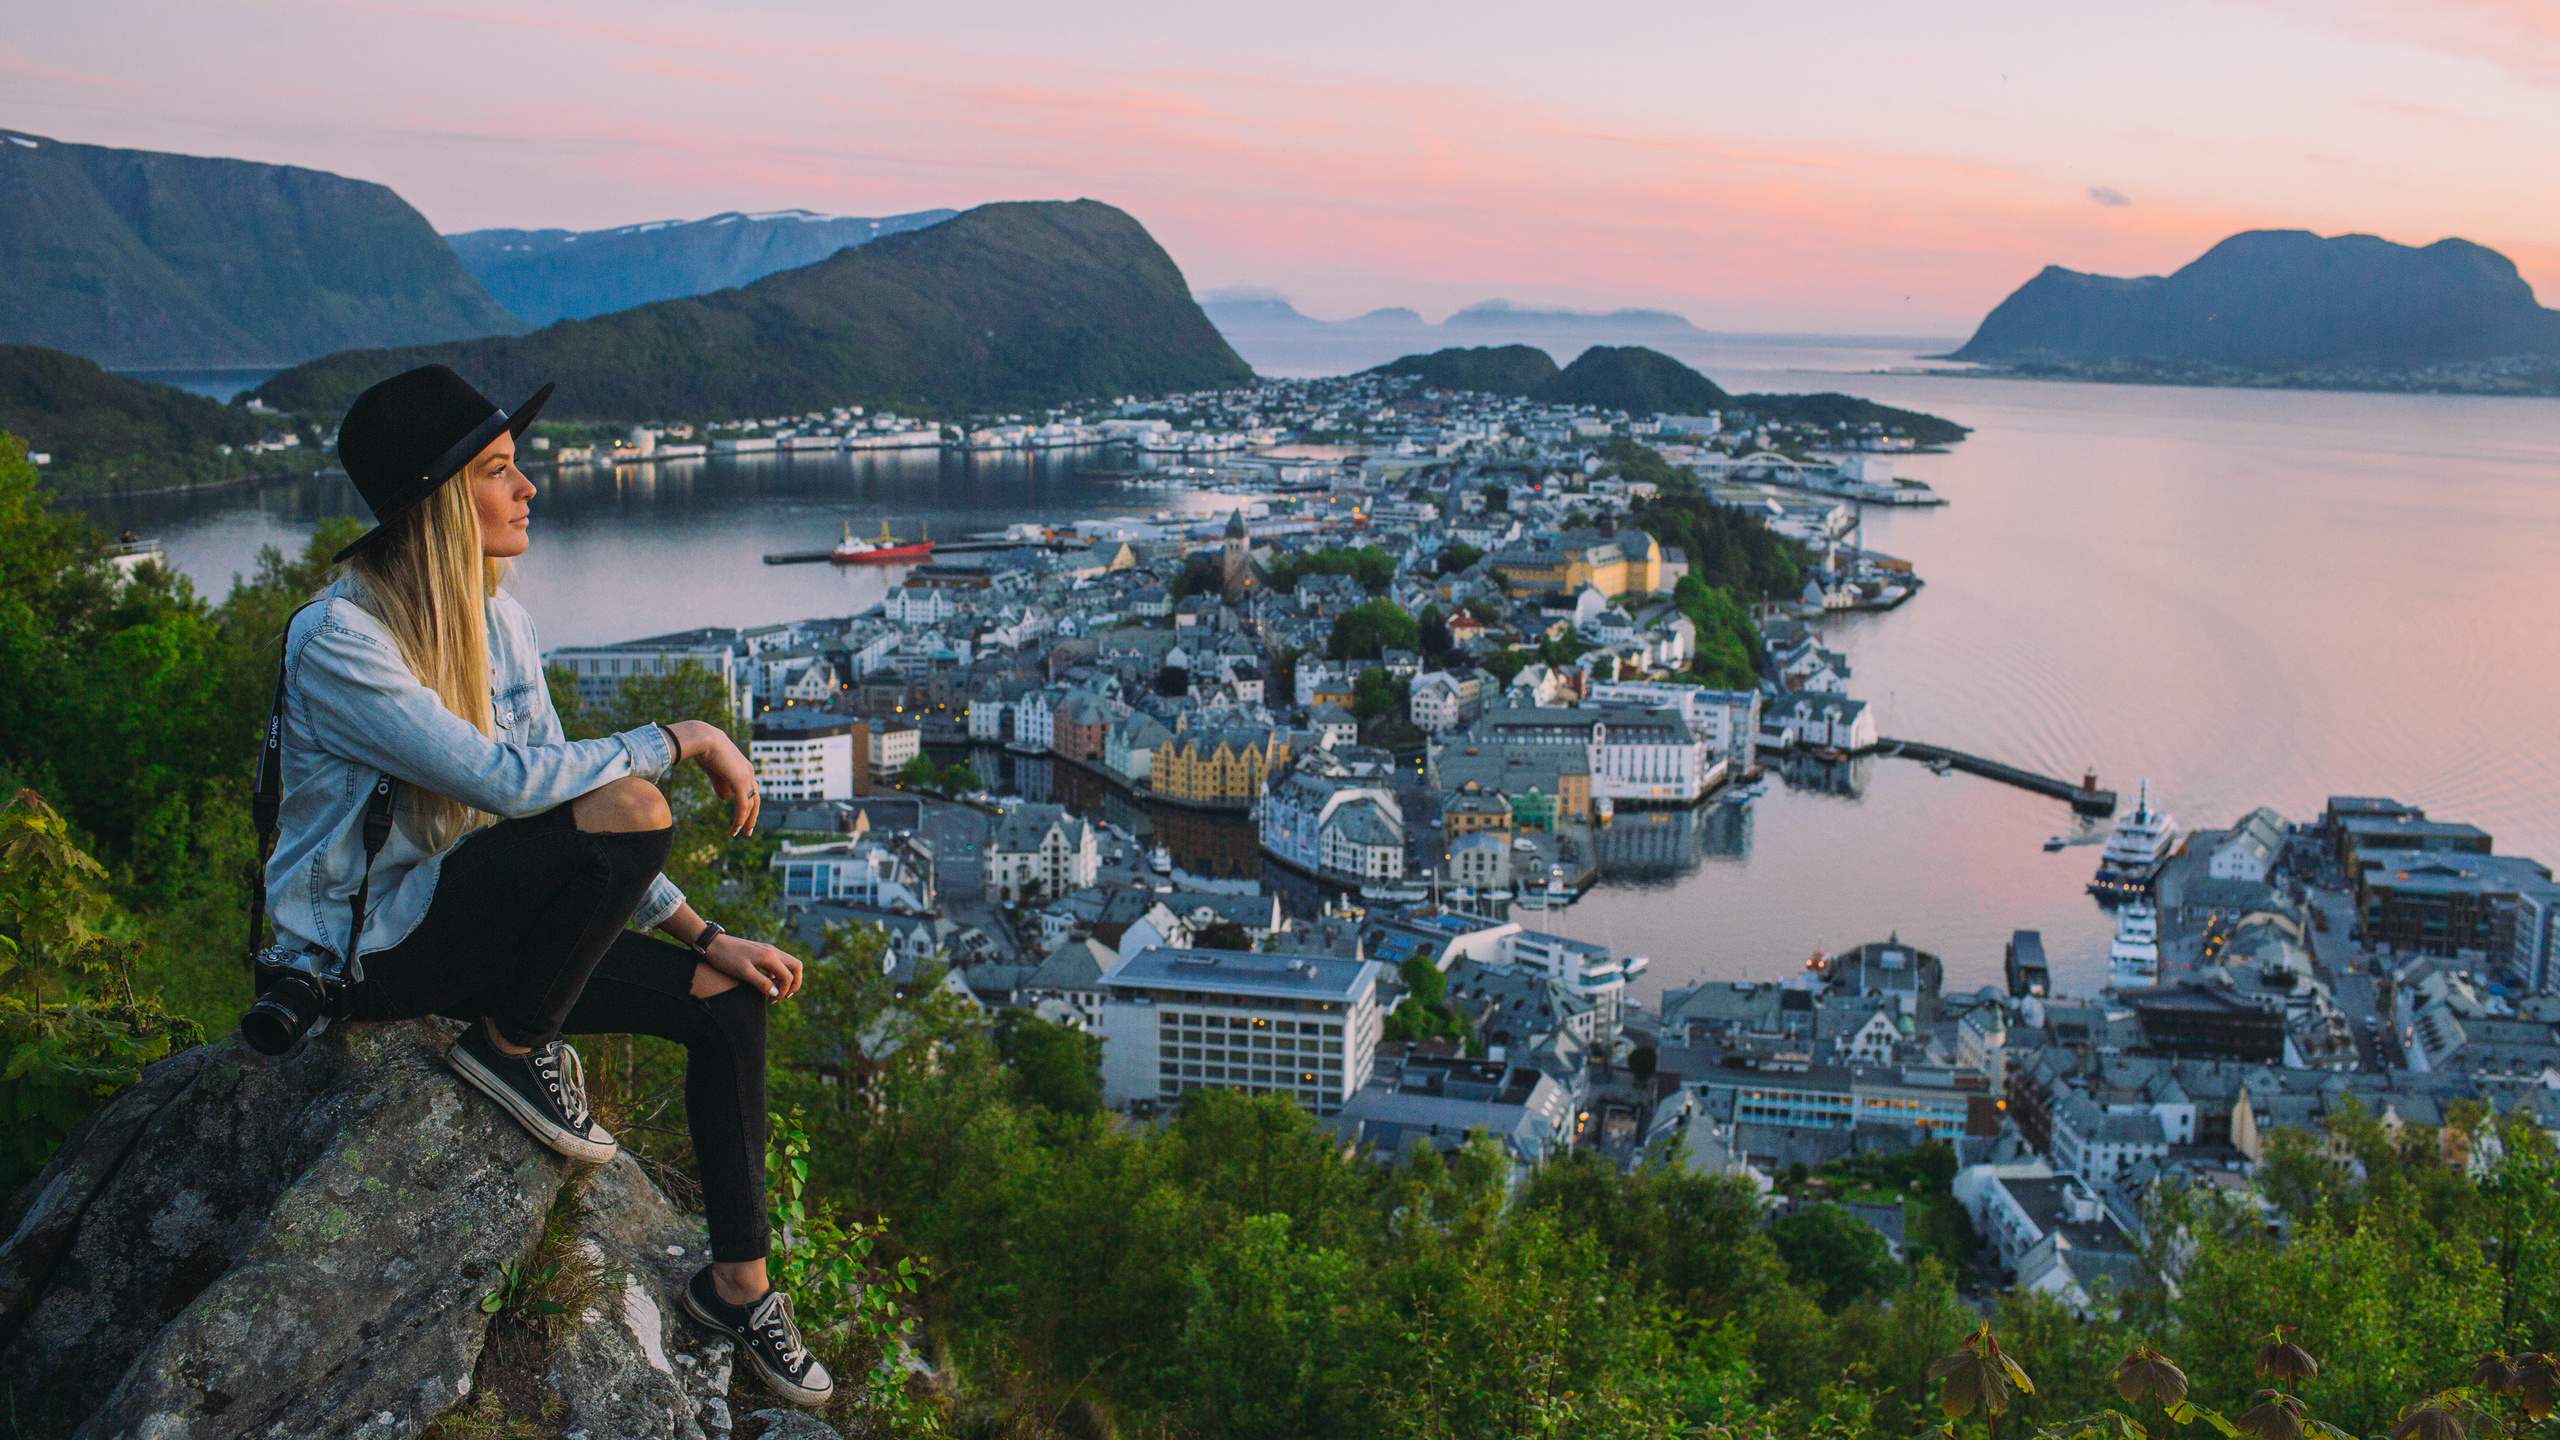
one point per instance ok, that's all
(601, 669)
(1297, 1025)
(810, 755)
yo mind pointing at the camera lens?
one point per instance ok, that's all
(282, 1016)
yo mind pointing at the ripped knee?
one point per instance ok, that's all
(627, 805)
(708, 982)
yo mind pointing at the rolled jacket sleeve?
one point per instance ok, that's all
(662, 901)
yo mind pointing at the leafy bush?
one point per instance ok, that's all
(72, 1030)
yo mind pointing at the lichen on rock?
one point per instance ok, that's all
(241, 1247)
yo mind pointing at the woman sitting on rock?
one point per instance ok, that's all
(518, 857)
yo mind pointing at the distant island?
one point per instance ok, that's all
(2287, 308)
(547, 275)
(1643, 381)
(139, 259)
(1004, 306)
(1249, 311)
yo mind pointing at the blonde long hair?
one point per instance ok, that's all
(429, 585)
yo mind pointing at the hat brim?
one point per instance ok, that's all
(460, 454)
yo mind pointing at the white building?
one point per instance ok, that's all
(1042, 845)
(1335, 727)
(1321, 677)
(893, 744)
(1035, 718)
(1441, 702)
(1588, 971)
(852, 872)
(1302, 1026)
(1481, 860)
(987, 716)
(1295, 816)
(2251, 848)
(1727, 722)
(920, 604)
(1361, 837)
(1818, 718)
(1650, 755)
(805, 754)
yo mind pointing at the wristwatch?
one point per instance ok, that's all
(711, 930)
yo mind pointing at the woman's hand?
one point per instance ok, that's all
(756, 965)
(732, 778)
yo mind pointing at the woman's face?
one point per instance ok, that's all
(503, 498)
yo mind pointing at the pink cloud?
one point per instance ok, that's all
(670, 70)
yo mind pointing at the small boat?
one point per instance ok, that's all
(887, 550)
(1390, 894)
(1637, 965)
(2054, 843)
(1160, 860)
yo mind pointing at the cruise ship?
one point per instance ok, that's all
(2135, 852)
(2134, 959)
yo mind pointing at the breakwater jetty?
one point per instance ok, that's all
(2085, 798)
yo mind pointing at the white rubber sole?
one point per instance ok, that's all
(780, 1385)
(540, 1126)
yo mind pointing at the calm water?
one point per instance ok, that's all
(2246, 597)
(652, 549)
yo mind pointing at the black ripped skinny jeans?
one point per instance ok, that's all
(527, 929)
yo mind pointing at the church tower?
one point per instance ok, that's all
(1236, 563)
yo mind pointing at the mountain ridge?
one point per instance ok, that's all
(2277, 300)
(141, 258)
(560, 274)
(1003, 306)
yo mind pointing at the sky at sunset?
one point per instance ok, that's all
(1850, 166)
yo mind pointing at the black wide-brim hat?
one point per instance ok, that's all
(408, 435)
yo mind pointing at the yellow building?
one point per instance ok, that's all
(1627, 562)
(1471, 810)
(1219, 767)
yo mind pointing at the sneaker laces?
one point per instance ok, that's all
(558, 1065)
(772, 1321)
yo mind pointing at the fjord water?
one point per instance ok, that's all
(2247, 597)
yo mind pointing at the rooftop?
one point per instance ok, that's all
(1230, 972)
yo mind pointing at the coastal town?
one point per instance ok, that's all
(1277, 791)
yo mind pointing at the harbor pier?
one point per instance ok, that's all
(2086, 799)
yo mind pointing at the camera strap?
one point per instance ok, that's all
(266, 806)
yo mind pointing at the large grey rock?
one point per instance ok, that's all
(636, 1368)
(294, 1248)
(240, 1247)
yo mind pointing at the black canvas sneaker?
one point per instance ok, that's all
(767, 1336)
(545, 1089)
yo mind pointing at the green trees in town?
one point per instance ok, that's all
(1366, 630)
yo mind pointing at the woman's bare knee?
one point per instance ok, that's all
(627, 804)
(708, 982)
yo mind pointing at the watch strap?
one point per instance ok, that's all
(711, 930)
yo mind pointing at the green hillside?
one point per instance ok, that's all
(138, 259)
(107, 432)
(1490, 369)
(1829, 408)
(1005, 306)
(1636, 380)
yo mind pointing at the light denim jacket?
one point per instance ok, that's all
(353, 710)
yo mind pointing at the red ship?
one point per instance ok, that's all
(887, 550)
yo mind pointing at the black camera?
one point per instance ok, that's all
(299, 993)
